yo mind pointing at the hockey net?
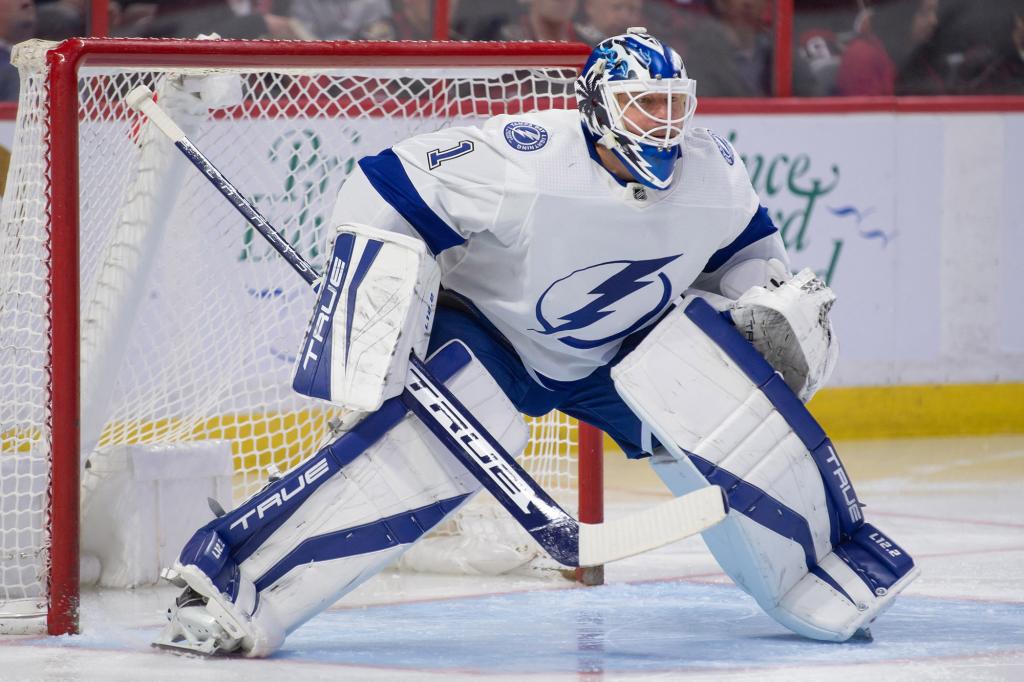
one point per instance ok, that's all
(186, 323)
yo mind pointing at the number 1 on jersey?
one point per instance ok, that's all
(435, 157)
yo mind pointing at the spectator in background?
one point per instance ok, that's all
(609, 17)
(414, 19)
(677, 19)
(916, 74)
(189, 18)
(345, 19)
(866, 67)
(817, 54)
(997, 67)
(729, 52)
(133, 13)
(544, 20)
(477, 20)
(822, 28)
(887, 57)
(60, 20)
(17, 23)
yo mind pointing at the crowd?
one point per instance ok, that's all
(913, 47)
(841, 47)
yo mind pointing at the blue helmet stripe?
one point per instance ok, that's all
(667, 52)
(658, 61)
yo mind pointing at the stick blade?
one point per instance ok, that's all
(649, 529)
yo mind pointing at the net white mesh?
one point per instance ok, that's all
(189, 322)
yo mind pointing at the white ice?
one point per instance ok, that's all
(955, 504)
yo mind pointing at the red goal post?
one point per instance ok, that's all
(54, 186)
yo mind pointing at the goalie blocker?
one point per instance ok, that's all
(375, 305)
(795, 538)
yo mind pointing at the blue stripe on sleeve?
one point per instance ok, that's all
(388, 177)
(759, 227)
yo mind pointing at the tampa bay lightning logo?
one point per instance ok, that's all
(724, 147)
(606, 314)
(525, 137)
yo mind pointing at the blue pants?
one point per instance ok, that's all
(592, 399)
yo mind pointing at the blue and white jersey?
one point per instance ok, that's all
(562, 258)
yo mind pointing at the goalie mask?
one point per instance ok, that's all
(635, 99)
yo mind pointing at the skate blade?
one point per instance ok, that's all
(191, 630)
(863, 634)
(208, 649)
(186, 648)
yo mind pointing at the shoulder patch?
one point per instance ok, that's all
(525, 137)
(724, 147)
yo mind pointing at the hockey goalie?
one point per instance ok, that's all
(613, 263)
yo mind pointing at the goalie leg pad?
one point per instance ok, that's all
(794, 539)
(297, 546)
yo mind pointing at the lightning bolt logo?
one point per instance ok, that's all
(630, 278)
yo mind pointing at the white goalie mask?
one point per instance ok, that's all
(635, 99)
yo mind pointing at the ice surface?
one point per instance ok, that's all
(957, 505)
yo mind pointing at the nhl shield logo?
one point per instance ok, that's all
(525, 137)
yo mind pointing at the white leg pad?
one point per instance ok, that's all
(794, 538)
(773, 569)
(762, 562)
(359, 520)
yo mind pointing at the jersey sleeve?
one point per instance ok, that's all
(446, 185)
(752, 228)
(358, 202)
(753, 234)
(744, 198)
(759, 239)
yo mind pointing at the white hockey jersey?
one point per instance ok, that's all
(562, 258)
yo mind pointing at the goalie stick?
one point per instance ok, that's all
(567, 540)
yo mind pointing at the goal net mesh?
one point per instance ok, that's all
(189, 321)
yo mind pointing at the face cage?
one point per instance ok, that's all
(671, 126)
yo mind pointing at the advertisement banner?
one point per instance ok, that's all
(913, 219)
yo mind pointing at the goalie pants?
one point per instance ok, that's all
(593, 399)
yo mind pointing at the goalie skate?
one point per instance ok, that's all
(204, 621)
(193, 629)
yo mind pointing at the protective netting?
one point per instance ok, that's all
(189, 322)
(24, 377)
